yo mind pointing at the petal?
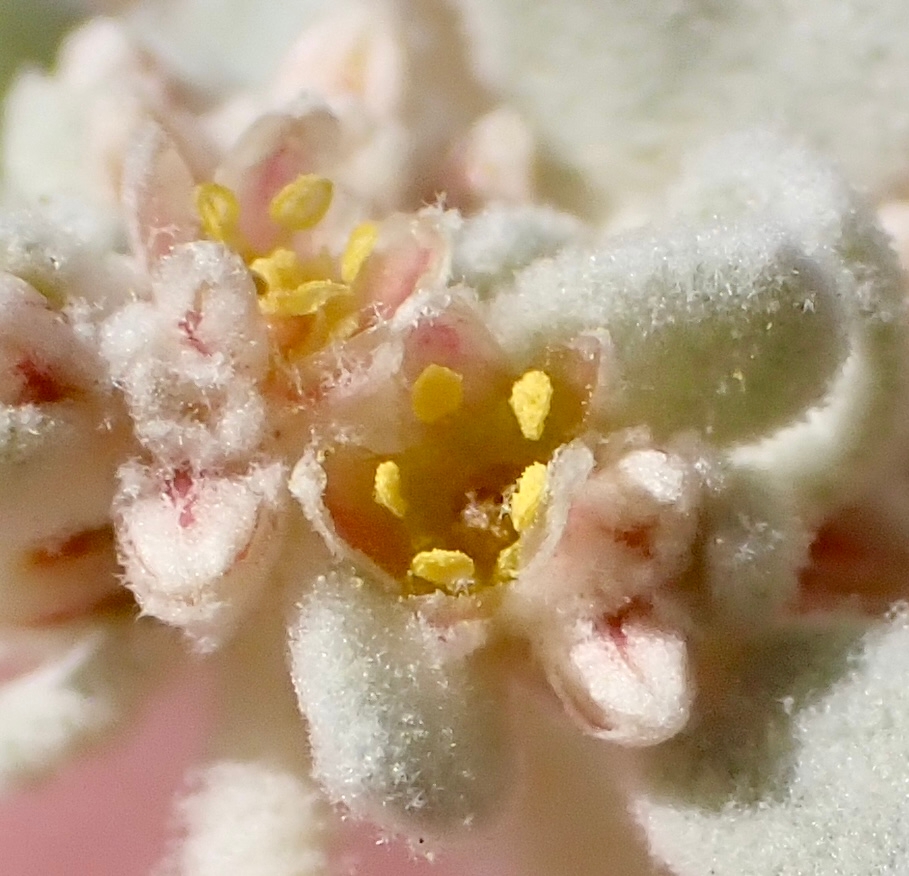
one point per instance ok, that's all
(272, 153)
(404, 732)
(494, 162)
(189, 361)
(808, 767)
(622, 679)
(611, 532)
(824, 456)
(412, 253)
(492, 245)
(706, 323)
(352, 55)
(198, 548)
(157, 195)
(61, 439)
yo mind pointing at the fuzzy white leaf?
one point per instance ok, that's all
(404, 731)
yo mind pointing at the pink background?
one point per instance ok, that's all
(107, 813)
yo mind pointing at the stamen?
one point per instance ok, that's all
(302, 204)
(344, 327)
(280, 270)
(453, 570)
(531, 397)
(436, 393)
(306, 299)
(387, 491)
(525, 501)
(507, 563)
(361, 243)
(219, 212)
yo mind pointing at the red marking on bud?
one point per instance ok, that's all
(637, 538)
(181, 491)
(40, 386)
(74, 547)
(189, 325)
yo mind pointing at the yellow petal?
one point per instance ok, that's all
(531, 397)
(387, 492)
(302, 204)
(450, 569)
(527, 496)
(361, 243)
(306, 299)
(436, 393)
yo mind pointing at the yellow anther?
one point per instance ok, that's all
(302, 204)
(306, 299)
(528, 494)
(530, 399)
(219, 211)
(280, 270)
(507, 563)
(453, 570)
(361, 243)
(387, 492)
(436, 393)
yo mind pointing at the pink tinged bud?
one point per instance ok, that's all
(450, 333)
(43, 361)
(352, 56)
(157, 196)
(190, 360)
(622, 679)
(493, 163)
(412, 254)
(60, 443)
(198, 548)
(610, 534)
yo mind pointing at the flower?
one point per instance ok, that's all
(565, 497)
(74, 658)
(399, 449)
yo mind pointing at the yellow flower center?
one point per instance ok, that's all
(310, 301)
(449, 511)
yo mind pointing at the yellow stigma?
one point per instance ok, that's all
(528, 494)
(387, 491)
(436, 393)
(530, 399)
(219, 211)
(453, 570)
(361, 243)
(306, 299)
(302, 204)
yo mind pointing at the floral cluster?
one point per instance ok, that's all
(307, 381)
